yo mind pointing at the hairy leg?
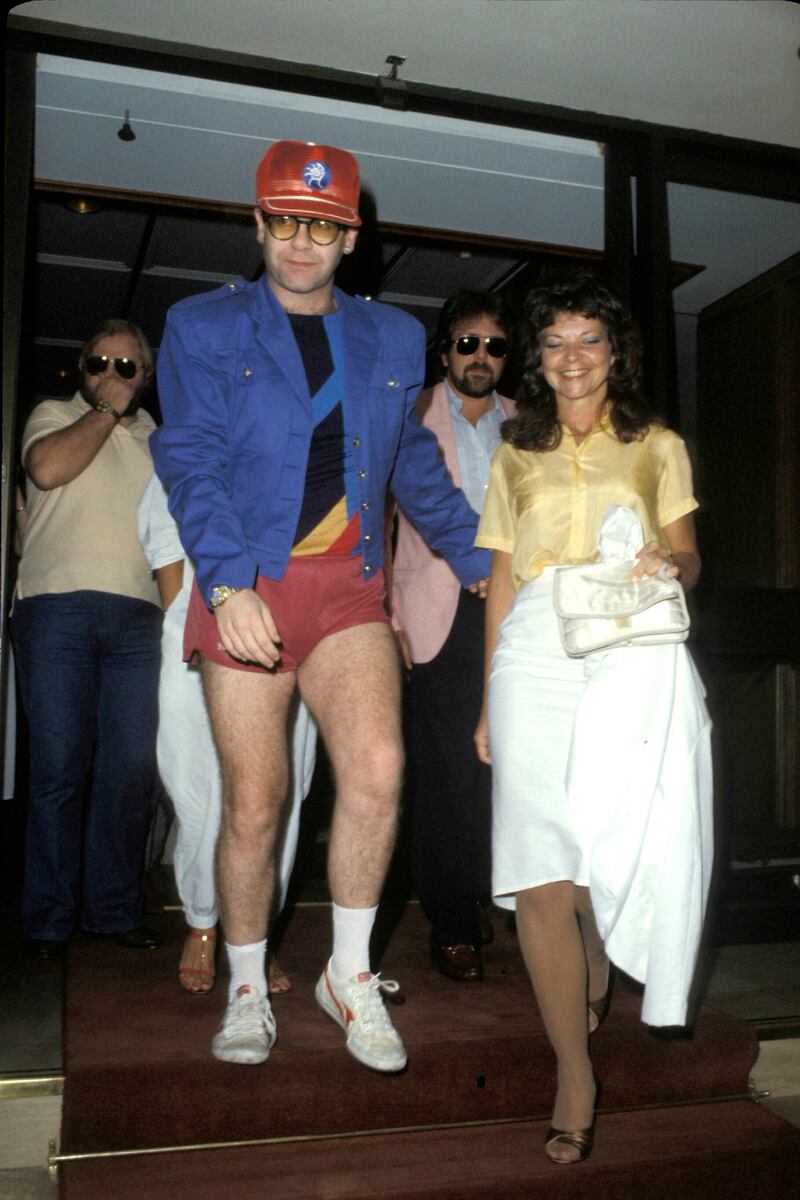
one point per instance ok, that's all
(551, 944)
(351, 683)
(248, 717)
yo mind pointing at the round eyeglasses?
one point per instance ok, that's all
(283, 227)
(96, 364)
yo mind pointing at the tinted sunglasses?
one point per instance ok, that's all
(96, 364)
(497, 347)
(284, 227)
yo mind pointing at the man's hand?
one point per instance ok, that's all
(247, 630)
(404, 647)
(479, 588)
(116, 391)
(481, 738)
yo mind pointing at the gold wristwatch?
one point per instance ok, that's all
(104, 406)
(220, 593)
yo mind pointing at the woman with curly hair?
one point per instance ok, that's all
(601, 763)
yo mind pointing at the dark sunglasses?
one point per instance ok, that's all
(284, 227)
(97, 363)
(497, 347)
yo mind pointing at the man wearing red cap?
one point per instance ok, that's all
(288, 411)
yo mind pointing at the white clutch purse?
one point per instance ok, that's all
(598, 605)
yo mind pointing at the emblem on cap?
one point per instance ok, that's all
(317, 174)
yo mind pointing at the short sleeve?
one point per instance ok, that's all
(497, 528)
(158, 531)
(675, 491)
(48, 417)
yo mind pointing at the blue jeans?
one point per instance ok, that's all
(88, 665)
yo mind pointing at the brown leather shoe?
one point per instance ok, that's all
(460, 962)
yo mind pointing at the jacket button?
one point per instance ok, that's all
(367, 569)
(362, 474)
(367, 537)
(231, 287)
(247, 372)
(366, 505)
(393, 383)
(356, 441)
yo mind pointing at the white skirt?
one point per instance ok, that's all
(602, 776)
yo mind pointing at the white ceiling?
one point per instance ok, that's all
(716, 65)
(202, 139)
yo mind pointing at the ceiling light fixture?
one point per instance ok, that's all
(82, 206)
(391, 91)
(126, 134)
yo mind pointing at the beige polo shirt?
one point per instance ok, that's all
(84, 536)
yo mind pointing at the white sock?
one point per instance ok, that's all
(351, 931)
(248, 966)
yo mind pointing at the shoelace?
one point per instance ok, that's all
(249, 1015)
(368, 1003)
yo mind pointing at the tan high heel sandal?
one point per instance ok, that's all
(581, 1140)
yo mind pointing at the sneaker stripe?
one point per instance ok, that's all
(343, 1009)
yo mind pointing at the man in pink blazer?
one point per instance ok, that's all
(440, 628)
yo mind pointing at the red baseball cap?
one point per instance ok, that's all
(304, 179)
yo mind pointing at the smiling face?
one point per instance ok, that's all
(473, 376)
(299, 271)
(576, 360)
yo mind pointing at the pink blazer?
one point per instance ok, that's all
(424, 589)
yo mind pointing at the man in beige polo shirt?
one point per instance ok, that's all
(86, 627)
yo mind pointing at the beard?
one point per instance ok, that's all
(136, 399)
(476, 382)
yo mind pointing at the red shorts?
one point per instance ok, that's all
(317, 596)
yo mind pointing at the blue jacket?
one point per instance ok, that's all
(233, 447)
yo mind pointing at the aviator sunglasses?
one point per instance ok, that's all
(497, 347)
(284, 227)
(97, 363)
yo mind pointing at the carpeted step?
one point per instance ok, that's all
(139, 1071)
(702, 1152)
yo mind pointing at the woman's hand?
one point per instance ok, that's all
(482, 738)
(683, 562)
(654, 559)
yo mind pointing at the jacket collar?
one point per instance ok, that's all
(273, 332)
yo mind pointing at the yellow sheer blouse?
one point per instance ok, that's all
(546, 508)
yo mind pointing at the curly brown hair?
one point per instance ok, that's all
(536, 425)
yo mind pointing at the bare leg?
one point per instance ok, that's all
(351, 683)
(554, 955)
(248, 717)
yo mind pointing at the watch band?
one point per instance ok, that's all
(220, 593)
(104, 406)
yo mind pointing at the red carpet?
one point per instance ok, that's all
(139, 1074)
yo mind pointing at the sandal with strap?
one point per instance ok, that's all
(200, 980)
(581, 1140)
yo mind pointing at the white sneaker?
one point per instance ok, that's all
(248, 1032)
(358, 1007)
